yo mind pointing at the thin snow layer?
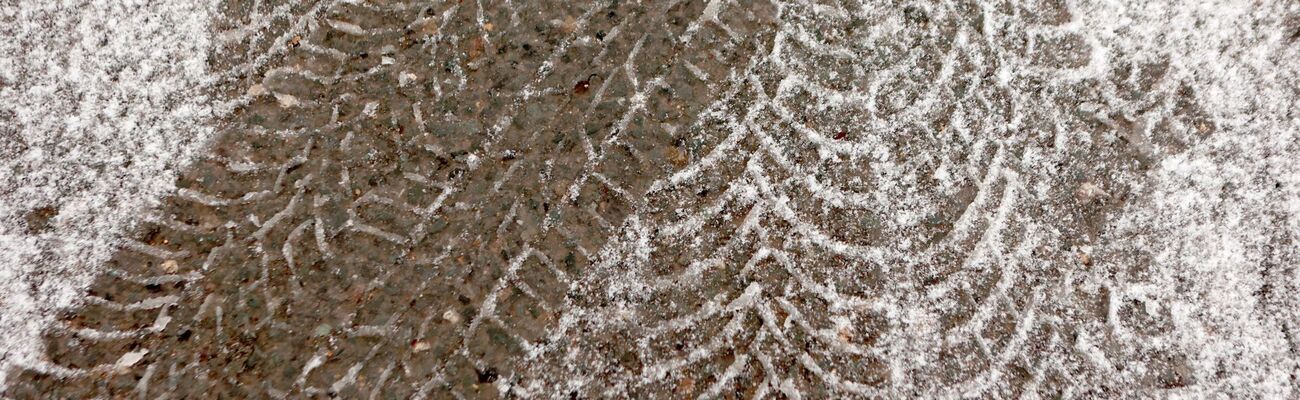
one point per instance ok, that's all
(1222, 217)
(1188, 289)
(100, 104)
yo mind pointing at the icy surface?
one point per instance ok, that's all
(101, 102)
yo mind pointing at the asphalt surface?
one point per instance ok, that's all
(657, 200)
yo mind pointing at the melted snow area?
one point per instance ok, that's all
(100, 104)
(932, 199)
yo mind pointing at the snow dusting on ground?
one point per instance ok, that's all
(1222, 218)
(945, 199)
(101, 102)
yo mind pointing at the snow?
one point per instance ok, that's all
(1217, 217)
(1221, 217)
(101, 103)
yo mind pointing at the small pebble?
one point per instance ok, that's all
(131, 358)
(256, 90)
(286, 100)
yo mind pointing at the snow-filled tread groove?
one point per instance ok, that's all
(398, 182)
(657, 199)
